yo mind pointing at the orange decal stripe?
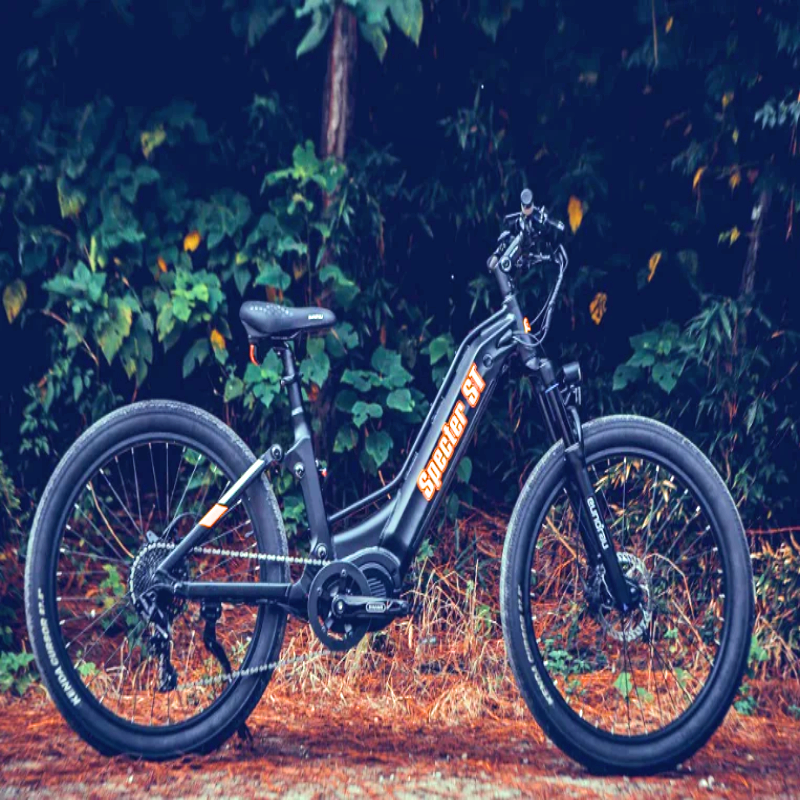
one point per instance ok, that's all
(213, 515)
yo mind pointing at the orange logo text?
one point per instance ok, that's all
(430, 479)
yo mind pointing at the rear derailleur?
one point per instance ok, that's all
(160, 641)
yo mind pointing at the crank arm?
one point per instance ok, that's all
(351, 607)
(593, 529)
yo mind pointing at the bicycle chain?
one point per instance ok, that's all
(229, 677)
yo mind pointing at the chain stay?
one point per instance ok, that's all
(273, 665)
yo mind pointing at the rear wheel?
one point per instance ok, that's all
(133, 484)
(641, 692)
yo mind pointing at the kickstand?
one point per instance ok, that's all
(245, 735)
(211, 612)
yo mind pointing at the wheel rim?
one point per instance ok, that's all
(633, 677)
(161, 487)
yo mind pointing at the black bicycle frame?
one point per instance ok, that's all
(395, 531)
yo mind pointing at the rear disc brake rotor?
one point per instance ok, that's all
(339, 578)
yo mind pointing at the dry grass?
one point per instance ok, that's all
(448, 663)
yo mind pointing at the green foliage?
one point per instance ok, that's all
(777, 567)
(374, 21)
(723, 364)
(15, 672)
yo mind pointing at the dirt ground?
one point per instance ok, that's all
(299, 751)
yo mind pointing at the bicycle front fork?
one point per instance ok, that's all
(559, 397)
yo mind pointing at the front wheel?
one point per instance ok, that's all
(640, 692)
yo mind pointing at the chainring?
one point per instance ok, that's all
(337, 578)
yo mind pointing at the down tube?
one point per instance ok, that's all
(448, 432)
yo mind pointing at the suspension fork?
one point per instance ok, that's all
(592, 525)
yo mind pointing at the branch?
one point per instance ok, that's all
(83, 341)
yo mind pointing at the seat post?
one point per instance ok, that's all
(291, 380)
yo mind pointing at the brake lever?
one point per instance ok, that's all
(533, 259)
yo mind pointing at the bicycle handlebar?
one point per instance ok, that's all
(529, 227)
(530, 223)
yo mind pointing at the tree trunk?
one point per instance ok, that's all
(338, 103)
(760, 210)
(338, 100)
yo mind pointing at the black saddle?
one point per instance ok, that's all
(271, 321)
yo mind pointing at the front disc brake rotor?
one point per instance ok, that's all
(339, 578)
(636, 622)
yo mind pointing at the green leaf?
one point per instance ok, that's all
(304, 158)
(234, 387)
(645, 695)
(666, 374)
(625, 374)
(464, 471)
(400, 400)
(388, 364)
(750, 416)
(440, 347)
(378, 446)
(362, 411)
(70, 200)
(150, 140)
(182, 308)
(407, 15)
(375, 36)
(241, 277)
(195, 356)
(344, 289)
(623, 684)
(14, 298)
(316, 366)
(271, 274)
(346, 439)
(114, 327)
(345, 400)
(362, 379)
(320, 21)
(341, 339)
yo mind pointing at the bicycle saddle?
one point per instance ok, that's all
(269, 320)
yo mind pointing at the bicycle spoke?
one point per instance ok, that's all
(124, 507)
(113, 647)
(155, 480)
(600, 653)
(136, 484)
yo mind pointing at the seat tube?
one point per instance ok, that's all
(300, 460)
